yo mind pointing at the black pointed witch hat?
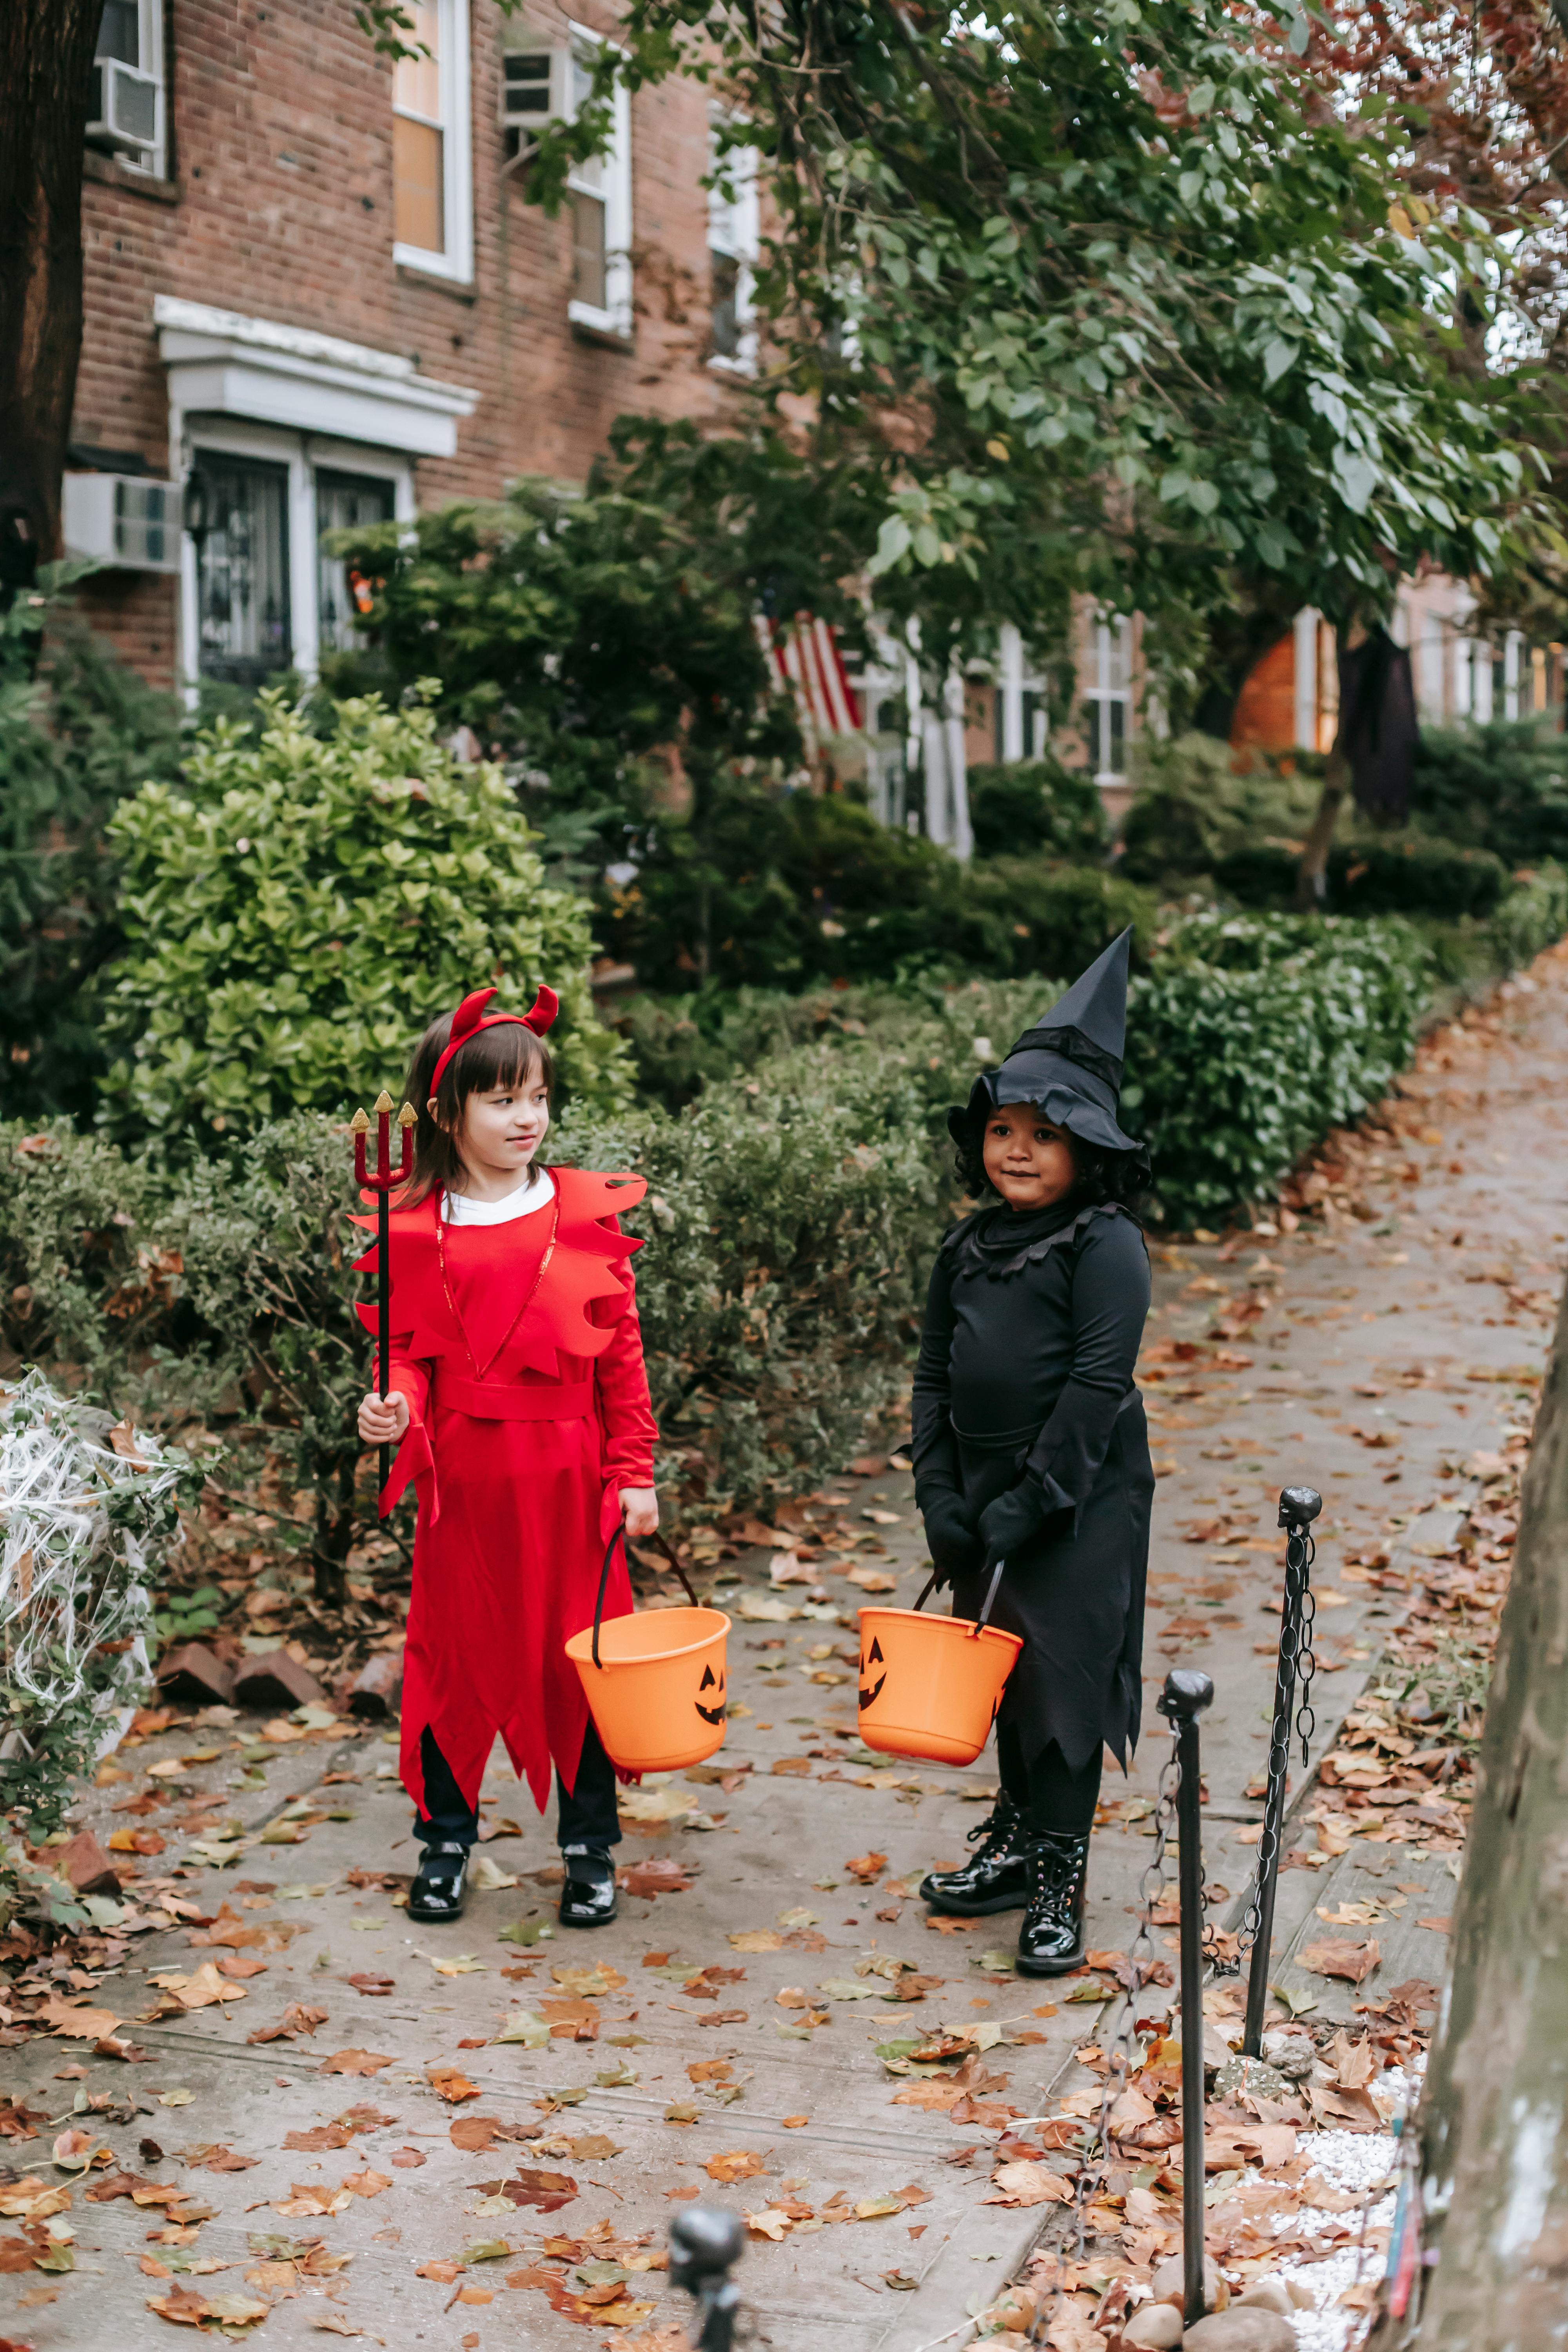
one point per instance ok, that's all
(1069, 1062)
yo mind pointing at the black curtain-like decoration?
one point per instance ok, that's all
(1378, 725)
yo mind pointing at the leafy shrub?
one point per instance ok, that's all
(793, 1206)
(1191, 809)
(301, 905)
(1533, 916)
(78, 731)
(1502, 787)
(1034, 807)
(793, 890)
(1374, 874)
(1257, 1037)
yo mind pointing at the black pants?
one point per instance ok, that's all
(587, 1813)
(1046, 1792)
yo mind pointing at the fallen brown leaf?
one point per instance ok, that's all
(662, 1875)
(297, 2019)
(452, 2084)
(1350, 1962)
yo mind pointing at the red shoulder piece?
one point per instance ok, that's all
(421, 1318)
(590, 1251)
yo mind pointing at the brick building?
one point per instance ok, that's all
(316, 294)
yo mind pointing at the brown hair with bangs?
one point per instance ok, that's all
(504, 1055)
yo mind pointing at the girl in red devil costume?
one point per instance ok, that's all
(519, 1405)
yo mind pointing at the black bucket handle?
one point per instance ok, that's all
(985, 1617)
(618, 1535)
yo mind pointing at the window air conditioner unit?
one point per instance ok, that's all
(535, 89)
(124, 111)
(126, 521)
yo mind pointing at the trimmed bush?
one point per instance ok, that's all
(302, 905)
(1037, 807)
(1192, 809)
(74, 740)
(1502, 787)
(790, 889)
(793, 1207)
(1258, 1035)
(1374, 874)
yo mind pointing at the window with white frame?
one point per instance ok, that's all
(599, 194)
(126, 114)
(1108, 700)
(345, 502)
(432, 177)
(731, 252)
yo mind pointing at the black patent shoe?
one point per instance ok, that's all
(588, 1896)
(442, 1884)
(996, 1879)
(1050, 1940)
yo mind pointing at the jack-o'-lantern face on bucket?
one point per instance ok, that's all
(712, 1683)
(873, 1657)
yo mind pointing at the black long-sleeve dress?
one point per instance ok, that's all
(1032, 1330)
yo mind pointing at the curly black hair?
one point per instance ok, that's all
(1102, 1175)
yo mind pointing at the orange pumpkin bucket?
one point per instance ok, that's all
(655, 1683)
(931, 1686)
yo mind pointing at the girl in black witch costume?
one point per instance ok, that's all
(1030, 1446)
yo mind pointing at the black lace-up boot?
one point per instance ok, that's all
(1050, 1940)
(995, 1878)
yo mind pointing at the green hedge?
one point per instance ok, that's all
(792, 889)
(792, 1210)
(1254, 1037)
(1383, 874)
(1502, 787)
(1037, 807)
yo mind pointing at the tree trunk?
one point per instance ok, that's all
(1494, 2121)
(1311, 873)
(46, 62)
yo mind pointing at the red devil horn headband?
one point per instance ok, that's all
(470, 1018)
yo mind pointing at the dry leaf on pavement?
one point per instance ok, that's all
(1027, 2183)
(663, 1875)
(76, 2024)
(1351, 1962)
(452, 2084)
(356, 2062)
(735, 2164)
(297, 2019)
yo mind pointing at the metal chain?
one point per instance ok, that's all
(1295, 1644)
(1306, 1664)
(1125, 2050)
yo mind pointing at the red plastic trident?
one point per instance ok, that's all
(382, 1184)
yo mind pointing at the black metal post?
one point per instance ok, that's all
(1186, 1694)
(1298, 1507)
(705, 2242)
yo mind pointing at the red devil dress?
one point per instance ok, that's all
(518, 1347)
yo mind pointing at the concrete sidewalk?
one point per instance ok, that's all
(724, 2024)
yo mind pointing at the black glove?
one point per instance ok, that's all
(954, 1547)
(1014, 1519)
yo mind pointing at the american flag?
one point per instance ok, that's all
(803, 658)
